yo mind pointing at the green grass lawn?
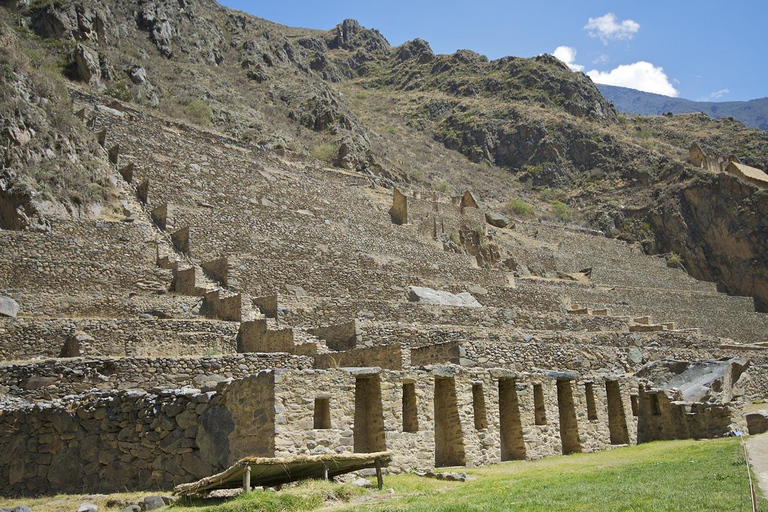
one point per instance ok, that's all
(676, 475)
(671, 475)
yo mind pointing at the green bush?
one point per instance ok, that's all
(325, 152)
(674, 260)
(520, 207)
(199, 112)
(561, 211)
(444, 187)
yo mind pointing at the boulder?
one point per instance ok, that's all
(440, 298)
(635, 356)
(87, 507)
(362, 482)
(88, 65)
(698, 381)
(8, 307)
(152, 503)
(137, 75)
(496, 219)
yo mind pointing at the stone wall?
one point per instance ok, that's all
(662, 416)
(26, 338)
(116, 440)
(391, 357)
(477, 439)
(58, 378)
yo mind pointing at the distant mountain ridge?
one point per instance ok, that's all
(753, 113)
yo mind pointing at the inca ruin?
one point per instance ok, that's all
(231, 299)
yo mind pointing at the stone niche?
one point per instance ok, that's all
(399, 211)
(267, 305)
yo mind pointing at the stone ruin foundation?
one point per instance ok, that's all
(433, 417)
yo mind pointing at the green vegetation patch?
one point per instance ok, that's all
(561, 211)
(661, 476)
(520, 207)
(324, 151)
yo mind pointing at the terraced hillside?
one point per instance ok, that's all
(213, 297)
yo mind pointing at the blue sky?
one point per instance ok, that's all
(700, 50)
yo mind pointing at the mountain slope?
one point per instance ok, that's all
(753, 113)
(514, 128)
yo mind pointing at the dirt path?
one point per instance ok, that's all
(757, 446)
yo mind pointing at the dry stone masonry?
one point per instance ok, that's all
(235, 309)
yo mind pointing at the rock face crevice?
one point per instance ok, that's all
(718, 224)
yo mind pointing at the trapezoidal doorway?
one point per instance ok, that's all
(449, 441)
(511, 428)
(617, 419)
(368, 431)
(569, 428)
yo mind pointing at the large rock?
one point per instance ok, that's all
(496, 219)
(8, 307)
(698, 381)
(88, 65)
(153, 503)
(438, 298)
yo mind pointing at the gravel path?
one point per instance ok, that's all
(757, 446)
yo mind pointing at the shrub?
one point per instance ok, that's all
(199, 112)
(561, 211)
(520, 207)
(674, 260)
(444, 187)
(325, 152)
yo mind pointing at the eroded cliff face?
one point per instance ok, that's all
(719, 224)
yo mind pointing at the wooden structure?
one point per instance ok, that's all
(269, 471)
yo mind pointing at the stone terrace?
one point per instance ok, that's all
(313, 250)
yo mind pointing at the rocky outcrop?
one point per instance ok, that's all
(88, 65)
(697, 381)
(719, 225)
(51, 164)
(417, 49)
(350, 35)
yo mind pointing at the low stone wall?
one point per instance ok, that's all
(114, 441)
(390, 357)
(442, 353)
(662, 417)
(58, 378)
(26, 338)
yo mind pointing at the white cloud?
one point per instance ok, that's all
(717, 94)
(607, 27)
(641, 75)
(602, 59)
(567, 55)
